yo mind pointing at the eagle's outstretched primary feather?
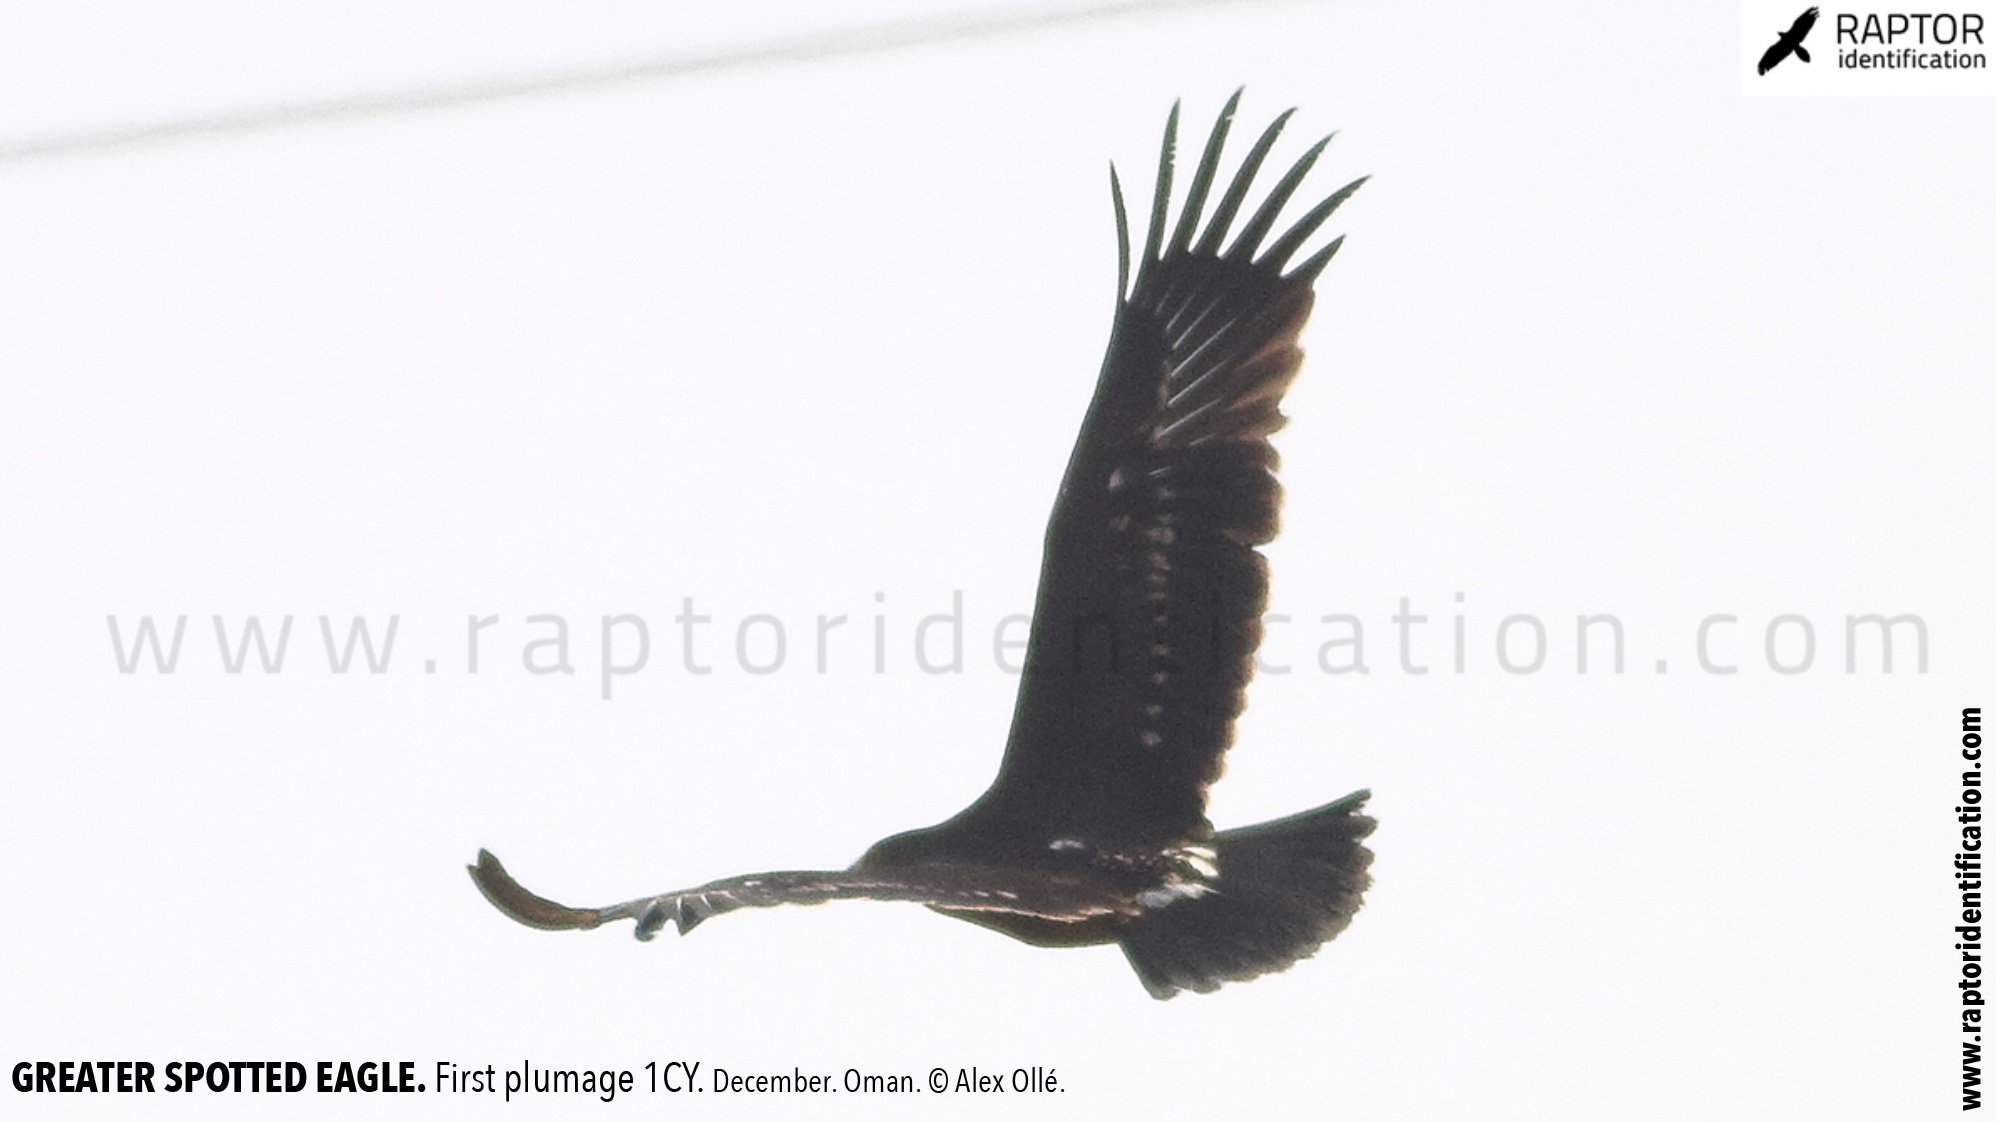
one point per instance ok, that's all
(1147, 618)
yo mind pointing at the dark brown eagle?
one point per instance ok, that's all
(1790, 42)
(1143, 638)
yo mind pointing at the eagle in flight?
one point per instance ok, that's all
(1790, 41)
(1143, 637)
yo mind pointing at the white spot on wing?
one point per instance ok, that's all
(1171, 892)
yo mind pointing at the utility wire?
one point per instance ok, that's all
(845, 43)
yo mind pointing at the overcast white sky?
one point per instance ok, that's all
(813, 340)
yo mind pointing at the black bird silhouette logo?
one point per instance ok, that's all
(1790, 42)
(1095, 830)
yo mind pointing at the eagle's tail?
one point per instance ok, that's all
(1802, 53)
(1284, 888)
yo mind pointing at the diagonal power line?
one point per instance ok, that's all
(845, 43)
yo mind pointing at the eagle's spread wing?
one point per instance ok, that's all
(1151, 590)
(1799, 30)
(958, 888)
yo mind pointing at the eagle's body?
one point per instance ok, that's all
(1148, 614)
